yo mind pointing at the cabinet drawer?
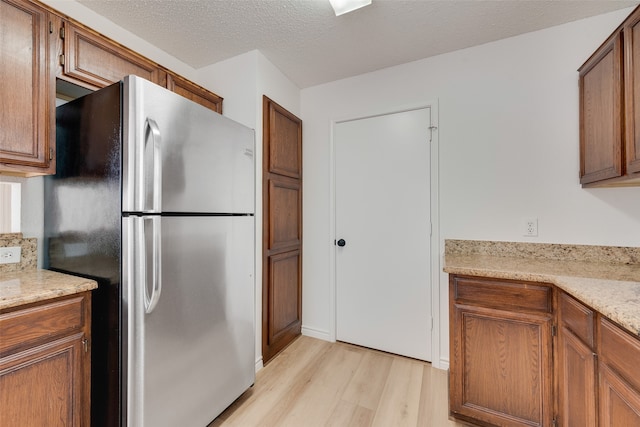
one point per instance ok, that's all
(577, 318)
(621, 351)
(502, 294)
(24, 328)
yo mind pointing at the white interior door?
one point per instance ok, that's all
(383, 277)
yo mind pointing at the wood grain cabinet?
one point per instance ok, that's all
(576, 364)
(619, 376)
(45, 363)
(609, 93)
(93, 61)
(504, 362)
(27, 141)
(192, 91)
(39, 45)
(501, 369)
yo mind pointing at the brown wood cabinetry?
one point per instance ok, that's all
(93, 61)
(45, 372)
(282, 228)
(503, 367)
(619, 395)
(192, 91)
(39, 45)
(609, 91)
(576, 364)
(27, 141)
(501, 339)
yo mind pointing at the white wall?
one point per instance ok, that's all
(242, 81)
(508, 141)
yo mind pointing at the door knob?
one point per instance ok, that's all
(341, 242)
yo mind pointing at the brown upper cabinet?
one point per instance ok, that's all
(39, 45)
(93, 61)
(609, 89)
(192, 91)
(27, 142)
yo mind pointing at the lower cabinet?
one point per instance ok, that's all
(45, 363)
(619, 376)
(576, 364)
(501, 366)
(505, 358)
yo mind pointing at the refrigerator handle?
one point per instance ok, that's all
(152, 165)
(150, 301)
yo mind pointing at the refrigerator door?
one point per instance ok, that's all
(191, 352)
(179, 156)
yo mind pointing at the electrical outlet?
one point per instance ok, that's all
(530, 227)
(10, 255)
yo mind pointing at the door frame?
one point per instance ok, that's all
(437, 361)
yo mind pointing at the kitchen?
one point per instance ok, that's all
(508, 145)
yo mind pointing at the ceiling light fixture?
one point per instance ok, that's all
(344, 6)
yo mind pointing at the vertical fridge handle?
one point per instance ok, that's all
(154, 264)
(152, 185)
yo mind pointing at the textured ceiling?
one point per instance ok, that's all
(309, 44)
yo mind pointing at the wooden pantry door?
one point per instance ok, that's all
(282, 228)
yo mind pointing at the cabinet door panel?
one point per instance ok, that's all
(43, 386)
(26, 80)
(194, 92)
(619, 402)
(501, 369)
(620, 350)
(632, 91)
(95, 62)
(601, 120)
(577, 378)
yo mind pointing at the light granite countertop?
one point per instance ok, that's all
(611, 288)
(24, 287)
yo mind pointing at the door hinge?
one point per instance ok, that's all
(554, 330)
(61, 32)
(62, 59)
(554, 422)
(50, 153)
(50, 27)
(431, 129)
(431, 320)
(85, 344)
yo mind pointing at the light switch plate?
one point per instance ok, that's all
(10, 255)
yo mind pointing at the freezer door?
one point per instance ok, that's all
(182, 157)
(191, 347)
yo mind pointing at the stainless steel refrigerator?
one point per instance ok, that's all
(154, 198)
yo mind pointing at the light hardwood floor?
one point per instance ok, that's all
(317, 383)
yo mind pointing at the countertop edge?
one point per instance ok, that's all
(28, 287)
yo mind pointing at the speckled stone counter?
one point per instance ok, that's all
(608, 279)
(28, 256)
(24, 287)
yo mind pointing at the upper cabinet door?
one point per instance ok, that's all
(192, 91)
(631, 33)
(93, 61)
(26, 82)
(601, 113)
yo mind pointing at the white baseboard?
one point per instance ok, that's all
(316, 333)
(443, 364)
(259, 364)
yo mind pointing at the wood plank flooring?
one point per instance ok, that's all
(318, 383)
